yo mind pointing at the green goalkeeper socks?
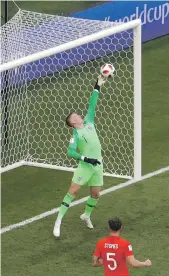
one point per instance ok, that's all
(90, 205)
(65, 205)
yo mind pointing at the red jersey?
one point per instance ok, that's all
(113, 250)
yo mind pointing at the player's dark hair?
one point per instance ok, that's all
(115, 224)
(68, 119)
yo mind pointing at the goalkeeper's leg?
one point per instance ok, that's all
(74, 188)
(90, 205)
(81, 176)
(95, 184)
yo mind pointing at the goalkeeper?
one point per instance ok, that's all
(90, 169)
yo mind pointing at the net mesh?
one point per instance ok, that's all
(37, 97)
(30, 32)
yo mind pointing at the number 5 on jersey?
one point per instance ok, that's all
(110, 258)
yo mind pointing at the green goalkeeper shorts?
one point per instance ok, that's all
(88, 174)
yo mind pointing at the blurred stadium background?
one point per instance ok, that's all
(65, 8)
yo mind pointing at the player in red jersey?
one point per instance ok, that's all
(114, 252)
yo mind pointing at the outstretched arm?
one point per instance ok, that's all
(89, 118)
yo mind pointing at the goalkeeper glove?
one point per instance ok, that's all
(100, 81)
(92, 161)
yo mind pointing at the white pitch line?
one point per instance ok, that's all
(55, 210)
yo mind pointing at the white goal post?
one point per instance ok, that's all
(48, 68)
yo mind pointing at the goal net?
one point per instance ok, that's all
(49, 65)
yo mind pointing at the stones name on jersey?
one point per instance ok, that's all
(109, 245)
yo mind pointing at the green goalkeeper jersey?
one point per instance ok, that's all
(85, 141)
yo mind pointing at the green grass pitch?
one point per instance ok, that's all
(32, 250)
(26, 192)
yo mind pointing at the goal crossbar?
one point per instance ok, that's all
(69, 45)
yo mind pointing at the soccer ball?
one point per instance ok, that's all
(107, 70)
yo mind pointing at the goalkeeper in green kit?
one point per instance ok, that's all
(85, 147)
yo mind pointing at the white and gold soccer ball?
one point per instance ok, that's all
(107, 70)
